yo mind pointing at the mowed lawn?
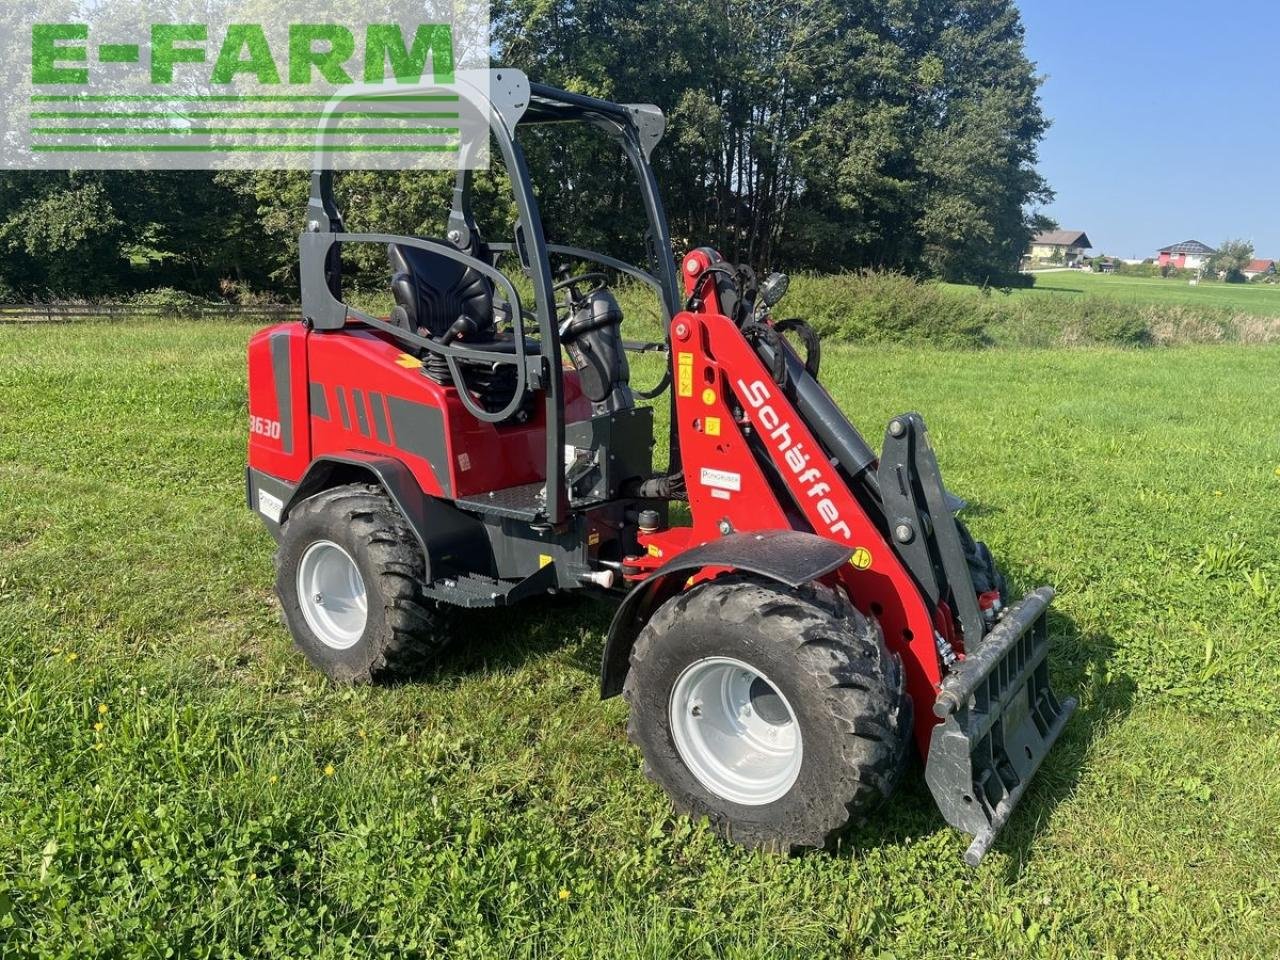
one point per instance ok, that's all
(175, 781)
(1257, 299)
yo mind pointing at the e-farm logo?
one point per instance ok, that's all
(325, 49)
(376, 83)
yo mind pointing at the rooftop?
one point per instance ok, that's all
(1189, 247)
(1063, 238)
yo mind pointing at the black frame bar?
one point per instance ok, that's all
(637, 128)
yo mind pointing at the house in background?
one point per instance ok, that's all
(1188, 255)
(1260, 267)
(1066, 247)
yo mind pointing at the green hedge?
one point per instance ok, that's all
(890, 308)
(182, 303)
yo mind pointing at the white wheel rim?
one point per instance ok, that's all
(735, 731)
(332, 596)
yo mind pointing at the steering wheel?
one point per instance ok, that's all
(598, 281)
(574, 299)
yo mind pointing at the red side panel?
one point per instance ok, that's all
(368, 395)
(358, 380)
(279, 435)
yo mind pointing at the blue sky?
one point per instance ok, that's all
(1165, 123)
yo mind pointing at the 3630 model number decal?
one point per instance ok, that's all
(265, 428)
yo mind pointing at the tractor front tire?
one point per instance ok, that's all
(349, 575)
(777, 714)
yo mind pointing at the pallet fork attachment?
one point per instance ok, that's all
(999, 716)
(1000, 719)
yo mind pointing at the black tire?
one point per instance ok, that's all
(403, 629)
(830, 664)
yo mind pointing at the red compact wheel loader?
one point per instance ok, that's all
(823, 608)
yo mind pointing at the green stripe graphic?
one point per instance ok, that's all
(232, 115)
(235, 131)
(241, 148)
(100, 109)
(227, 98)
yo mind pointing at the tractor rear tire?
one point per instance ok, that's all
(349, 575)
(777, 714)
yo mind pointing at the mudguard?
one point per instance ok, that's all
(448, 537)
(789, 557)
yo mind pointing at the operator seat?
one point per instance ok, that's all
(436, 294)
(448, 300)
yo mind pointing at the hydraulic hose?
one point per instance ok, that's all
(827, 421)
(666, 487)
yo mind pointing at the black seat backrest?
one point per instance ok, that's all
(432, 291)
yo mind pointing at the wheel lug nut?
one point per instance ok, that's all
(319, 599)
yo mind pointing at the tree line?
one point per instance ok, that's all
(802, 134)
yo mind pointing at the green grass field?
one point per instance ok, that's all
(1258, 299)
(176, 782)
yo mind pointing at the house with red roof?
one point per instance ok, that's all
(1259, 267)
(1187, 255)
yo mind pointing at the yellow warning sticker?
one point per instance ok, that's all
(861, 559)
(407, 361)
(593, 538)
(708, 396)
(712, 425)
(654, 551)
(684, 374)
(544, 559)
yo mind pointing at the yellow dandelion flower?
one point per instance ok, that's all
(99, 745)
(72, 656)
(328, 770)
(564, 894)
(98, 726)
(360, 733)
(102, 709)
(273, 779)
(1217, 493)
(253, 877)
(58, 650)
(1278, 471)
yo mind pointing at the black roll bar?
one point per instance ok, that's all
(527, 373)
(511, 101)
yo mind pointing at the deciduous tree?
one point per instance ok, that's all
(1231, 259)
